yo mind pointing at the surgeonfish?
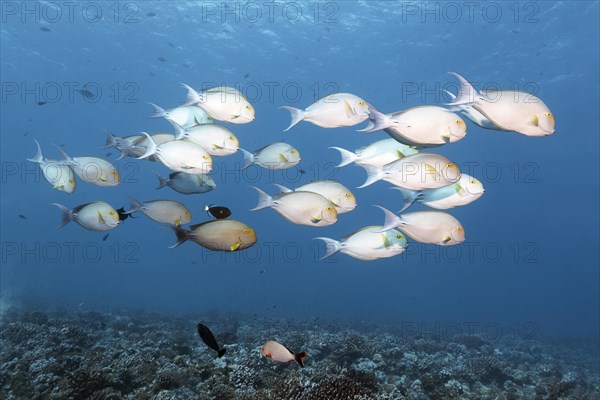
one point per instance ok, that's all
(163, 211)
(209, 339)
(219, 212)
(472, 114)
(274, 156)
(96, 216)
(126, 146)
(187, 183)
(159, 138)
(463, 192)
(511, 110)
(377, 153)
(180, 156)
(59, 175)
(422, 126)
(340, 196)
(435, 227)
(218, 235)
(333, 111)
(280, 353)
(222, 103)
(367, 244)
(216, 139)
(303, 208)
(94, 170)
(186, 116)
(417, 172)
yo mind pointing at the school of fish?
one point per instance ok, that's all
(403, 160)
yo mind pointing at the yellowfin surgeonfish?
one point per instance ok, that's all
(333, 111)
(94, 170)
(187, 183)
(222, 103)
(435, 227)
(218, 235)
(303, 208)
(274, 156)
(367, 244)
(180, 155)
(377, 153)
(59, 175)
(186, 116)
(340, 196)
(163, 211)
(510, 110)
(216, 139)
(96, 216)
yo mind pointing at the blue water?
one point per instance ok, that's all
(530, 263)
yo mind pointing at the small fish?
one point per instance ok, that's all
(26, 133)
(186, 117)
(280, 353)
(262, 271)
(105, 237)
(108, 154)
(41, 103)
(44, 29)
(302, 171)
(162, 59)
(247, 75)
(22, 216)
(209, 339)
(151, 14)
(87, 94)
(123, 214)
(95, 216)
(219, 212)
(171, 44)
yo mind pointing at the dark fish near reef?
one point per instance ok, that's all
(209, 339)
(123, 214)
(219, 212)
(22, 216)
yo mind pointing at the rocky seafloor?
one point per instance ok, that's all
(138, 355)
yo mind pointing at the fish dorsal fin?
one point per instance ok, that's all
(194, 227)
(79, 207)
(290, 350)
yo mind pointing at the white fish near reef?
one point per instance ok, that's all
(186, 116)
(377, 154)
(303, 208)
(275, 156)
(342, 199)
(94, 170)
(216, 139)
(59, 175)
(417, 172)
(163, 211)
(280, 353)
(463, 192)
(97, 216)
(510, 110)
(333, 111)
(435, 227)
(367, 244)
(423, 126)
(180, 156)
(218, 235)
(187, 183)
(222, 103)
(126, 145)
(472, 114)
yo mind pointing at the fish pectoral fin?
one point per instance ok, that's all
(446, 239)
(386, 241)
(446, 137)
(102, 178)
(101, 218)
(186, 167)
(315, 220)
(234, 116)
(235, 246)
(349, 110)
(400, 154)
(217, 147)
(460, 190)
(58, 186)
(177, 222)
(283, 158)
(535, 121)
(430, 168)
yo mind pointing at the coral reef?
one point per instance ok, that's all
(138, 355)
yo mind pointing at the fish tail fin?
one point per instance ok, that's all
(159, 112)
(333, 246)
(466, 92)
(282, 188)
(296, 114)
(150, 147)
(409, 196)
(374, 174)
(192, 96)
(221, 352)
(179, 130)
(134, 206)
(348, 157)
(66, 214)
(111, 140)
(248, 158)
(264, 200)
(391, 220)
(299, 357)
(162, 182)
(39, 157)
(182, 236)
(377, 121)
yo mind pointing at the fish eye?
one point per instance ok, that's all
(249, 107)
(361, 103)
(348, 195)
(293, 151)
(449, 165)
(398, 236)
(460, 229)
(230, 137)
(246, 231)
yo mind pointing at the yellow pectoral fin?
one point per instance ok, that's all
(57, 186)
(102, 178)
(386, 241)
(459, 189)
(235, 116)
(177, 222)
(217, 147)
(349, 111)
(535, 121)
(283, 158)
(235, 246)
(399, 154)
(101, 218)
(430, 168)
(446, 239)
(315, 220)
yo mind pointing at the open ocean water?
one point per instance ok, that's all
(486, 287)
